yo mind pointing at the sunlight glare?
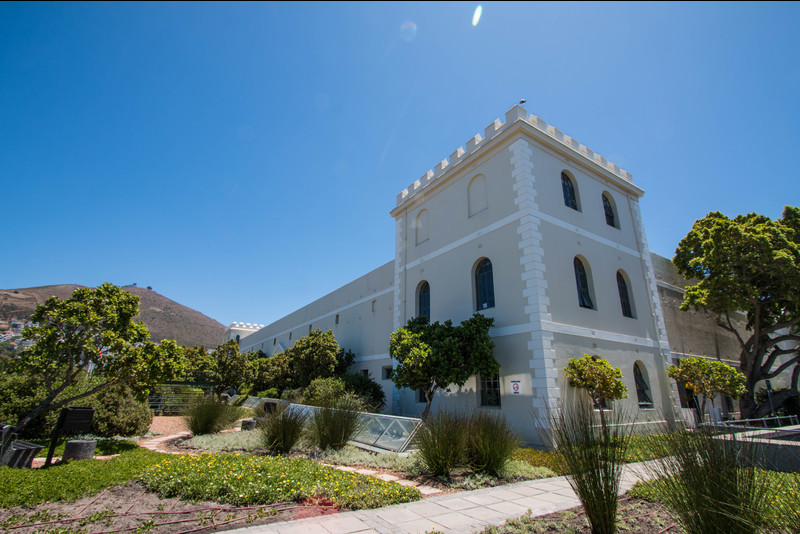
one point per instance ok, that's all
(477, 16)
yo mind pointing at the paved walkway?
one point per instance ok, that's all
(459, 513)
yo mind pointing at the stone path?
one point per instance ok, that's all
(459, 513)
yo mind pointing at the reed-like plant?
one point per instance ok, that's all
(442, 442)
(593, 456)
(209, 415)
(282, 428)
(332, 426)
(710, 482)
(490, 443)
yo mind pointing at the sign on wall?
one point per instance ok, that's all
(516, 386)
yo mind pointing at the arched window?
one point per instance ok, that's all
(424, 300)
(642, 386)
(568, 188)
(421, 226)
(477, 195)
(582, 282)
(608, 208)
(624, 296)
(484, 285)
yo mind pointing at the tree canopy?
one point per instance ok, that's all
(92, 332)
(708, 378)
(434, 356)
(751, 264)
(601, 380)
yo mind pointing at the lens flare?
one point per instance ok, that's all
(476, 17)
(408, 31)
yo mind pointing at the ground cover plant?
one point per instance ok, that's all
(247, 441)
(105, 446)
(248, 480)
(71, 480)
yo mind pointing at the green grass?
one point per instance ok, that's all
(536, 458)
(72, 480)
(248, 480)
(784, 502)
(105, 446)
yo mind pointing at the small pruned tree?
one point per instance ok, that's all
(231, 367)
(601, 380)
(313, 356)
(708, 378)
(434, 356)
(92, 332)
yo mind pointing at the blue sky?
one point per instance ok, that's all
(242, 159)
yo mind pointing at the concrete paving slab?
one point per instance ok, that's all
(453, 520)
(483, 498)
(343, 524)
(509, 508)
(484, 514)
(397, 514)
(456, 503)
(428, 508)
(421, 526)
(428, 490)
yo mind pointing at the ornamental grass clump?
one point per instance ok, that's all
(332, 426)
(710, 482)
(282, 429)
(209, 415)
(490, 444)
(593, 457)
(442, 442)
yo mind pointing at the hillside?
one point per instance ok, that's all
(165, 318)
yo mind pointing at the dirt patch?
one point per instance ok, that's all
(166, 425)
(633, 515)
(130, 507)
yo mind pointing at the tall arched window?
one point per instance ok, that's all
(582, 283)
(642, 386)
(477, 195)
(484, 285)
(424, 300)
(422, 225)
(608, 208)
(568, 188)
(624, 295)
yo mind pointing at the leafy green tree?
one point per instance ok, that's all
(200, 364)
(601, 380)
(231, 368)
(273, 373)
(313, 356)
(434, 356)
(92, 331)
(751, 264)
(708, 378)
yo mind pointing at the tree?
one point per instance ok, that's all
(231, 368)
(435, 356)
(708, 378)
(92, 332)
(750, 264)
(200, 365)
(601, 380)
(313, 356)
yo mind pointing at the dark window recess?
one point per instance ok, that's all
(490, 390)
(642, 388)
(484, 285)
(624, 297)
(582, 282)
(337, 318)
(424, 301)
(290, 336)
(567, 187)
(365, 372)
(386, 373)
(274, 341)
(421, 396)
(611, 219)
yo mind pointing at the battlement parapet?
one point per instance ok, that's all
(246, 326)
(514, 114)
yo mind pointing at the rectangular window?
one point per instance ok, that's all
(421, 396)
(374, 305)
(386, 373)
(274, 341)
(290, 336)
(490, 390)
(365, 372)
(309, 329)
(337, 318)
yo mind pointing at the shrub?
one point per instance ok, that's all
(292, 395)
(550, 459)
(491, 443)
(332, 426)
(323, 391)
(368, 389)
(269, 393)
(593, 456)
(441, 440)
(118, 412)
(209, 416)
(282, 429)
(710, 484)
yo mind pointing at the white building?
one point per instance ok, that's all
(528, 226)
